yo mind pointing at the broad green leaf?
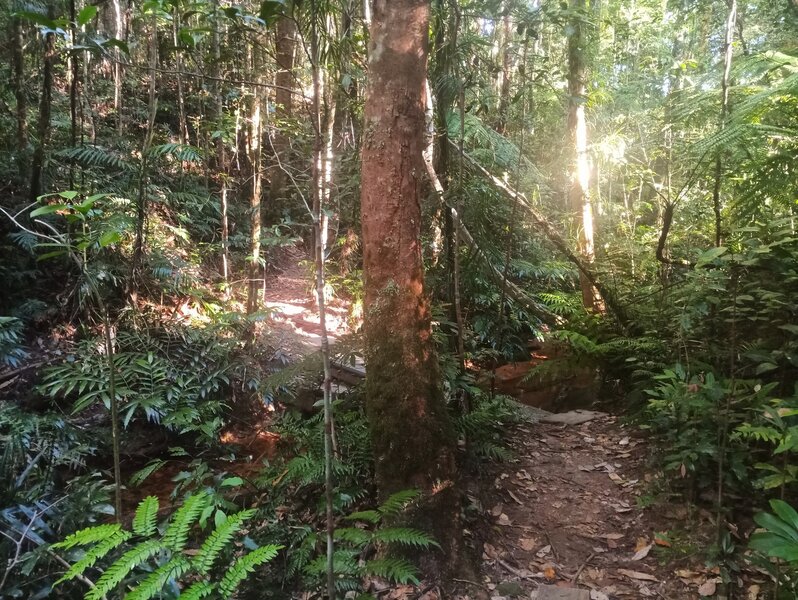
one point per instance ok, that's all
(87, 14)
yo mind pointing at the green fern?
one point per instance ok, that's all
(393, 569)
(219, 539)
(176, 534)
(161, 559)
(144, 522)
(157, 580)
(96, 553)
(243, 566)
(123, 566)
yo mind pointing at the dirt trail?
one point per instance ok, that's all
(290, 297)
(564, 512)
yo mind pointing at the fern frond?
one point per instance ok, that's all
(197, 591)
(371, 516)
(220, 537)
(393, 569)
(145, 521)
(154, 584)
(353, 535)
(94, 156)
(176, 534)
(122, 567)
(404, 536)
(95, 554)
(397, 502)
(90, 535)
(243, 566)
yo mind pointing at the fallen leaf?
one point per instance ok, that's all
(616, 478)
(661, 539)
(624, 441)
(642, 553)
(549, 573)
(707, 588)
(504, 519)
(637, 575)
(597, 595)
(612, 536)
(527, 544)
(489, 551)
(641, 543)
(497, 510)
(753, 592)
(543, 551)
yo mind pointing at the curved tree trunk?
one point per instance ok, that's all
(411, 434)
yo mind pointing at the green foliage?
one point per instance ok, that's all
(11, 351)
(175, 377)
(778, 539)
(354, 544)
(153, 564)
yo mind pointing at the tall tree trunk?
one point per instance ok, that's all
(119, 22)
(45, 108)
(285, 82)
(579, 192)
(152, 101)
(506, 71)
(254, 151)
(74, 81)
(411, 433)
(728, 51)
(221, 155)
(18, 62)
(181, 103)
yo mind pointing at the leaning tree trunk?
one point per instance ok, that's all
(579, 192)
(411, 433)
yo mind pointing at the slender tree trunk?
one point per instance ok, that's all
(45, 108)
(74, 81)
(141, 204)
(181, 103)
(579, 192)
(18, 63)
(411, 434)
(320, 192)
(285, 80)
(728, 51)
(119, 33)
(254, 151)
(506, 72)
(221, 158)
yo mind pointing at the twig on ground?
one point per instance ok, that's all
(582, 568)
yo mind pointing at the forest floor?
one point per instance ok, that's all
(573, 509)
(290, 298)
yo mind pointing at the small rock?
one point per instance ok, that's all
(551, 592)
(510, 588)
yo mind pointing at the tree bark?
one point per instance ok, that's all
(285, 81)
(728, 50)
(18, 61)
(45, 108)
(254, 151)
(579, 192)
(411, 432)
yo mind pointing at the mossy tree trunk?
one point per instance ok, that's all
(411, 432)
